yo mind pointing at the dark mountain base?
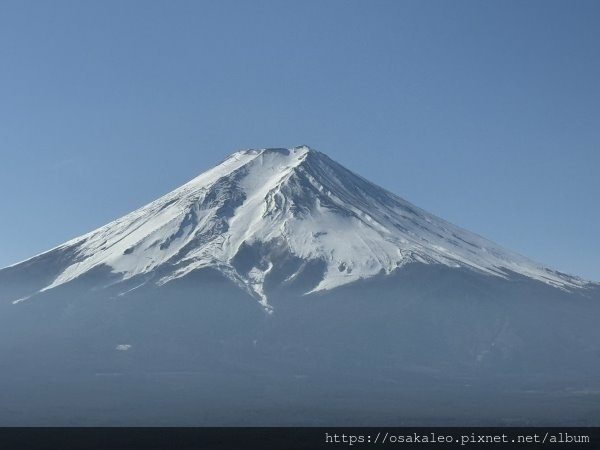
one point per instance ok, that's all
(427, 345)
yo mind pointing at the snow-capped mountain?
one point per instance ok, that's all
(272, 203)
(279, 288)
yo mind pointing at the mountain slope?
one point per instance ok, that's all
(279, 214)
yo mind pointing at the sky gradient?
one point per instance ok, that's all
(486, 113)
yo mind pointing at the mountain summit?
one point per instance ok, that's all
(281, 214)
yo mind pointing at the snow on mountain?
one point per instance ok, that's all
(299, 202)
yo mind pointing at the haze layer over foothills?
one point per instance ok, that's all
(433, 260)
(279, 277)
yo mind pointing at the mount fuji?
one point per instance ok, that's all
(259, 208)
(277, 278)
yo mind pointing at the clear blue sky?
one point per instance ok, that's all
(486, 113)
